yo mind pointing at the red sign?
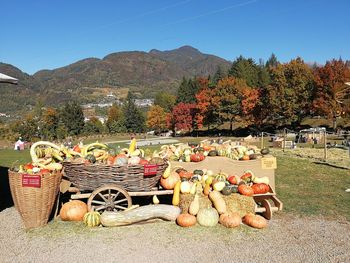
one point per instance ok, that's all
(150, 169)
(31, 180)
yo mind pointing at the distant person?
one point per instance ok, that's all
(19, 145)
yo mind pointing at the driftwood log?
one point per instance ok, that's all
(139, 214)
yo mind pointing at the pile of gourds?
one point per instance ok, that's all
(183, 153)
(214, 186)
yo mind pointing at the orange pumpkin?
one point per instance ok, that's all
(169, 183)
(230, 220)
(73, 211)
(255, 221)
(260, 188)
(186, 220)
(245, 190)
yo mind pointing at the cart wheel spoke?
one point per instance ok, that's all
(97, 202)
(101, 207)
(121, 207)
(120, 201)
(103, 197)
(115, 196)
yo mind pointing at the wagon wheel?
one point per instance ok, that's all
(109, 197)
(268, 211)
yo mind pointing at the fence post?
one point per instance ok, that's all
(325, 146)
(262, 140)
(284, 138)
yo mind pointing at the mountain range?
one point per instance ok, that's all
(90, 79)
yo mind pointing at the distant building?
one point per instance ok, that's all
(144, 102)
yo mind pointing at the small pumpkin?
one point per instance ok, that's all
(92, 219)
(185, 174)
(73, 211)
(207, 216)
(185, 187)
(186, 220)
(230, 220)
(227, 190)
(260, 188)
(247, 176)
(245, 158)
(245, 190)
(255, 221)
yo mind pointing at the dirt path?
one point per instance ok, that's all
(288, 239)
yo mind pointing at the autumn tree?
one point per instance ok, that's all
(183, 117)
(207, 105)
(331, 91)
(115, 119)
(236, 100)
(156, 118)
(50, 122)
(290, 92)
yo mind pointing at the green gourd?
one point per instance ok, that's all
(208, 217)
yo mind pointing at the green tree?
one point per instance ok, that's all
(219, 75)
(93, 126)
(134, 119)
(165, 100)
(187, 91)
(73, 118)
(246, 69)
(272, 62)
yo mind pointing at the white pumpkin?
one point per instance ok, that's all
(134, 160)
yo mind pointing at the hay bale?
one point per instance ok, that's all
(234, 203)
(186, 199)
(239, 203)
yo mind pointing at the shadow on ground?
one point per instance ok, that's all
(5, 192)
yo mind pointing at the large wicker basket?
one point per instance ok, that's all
(34, 204)
(130, 177)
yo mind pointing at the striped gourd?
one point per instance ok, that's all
(92, 219)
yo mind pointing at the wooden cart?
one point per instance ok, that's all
(112, 197)
(267, 203)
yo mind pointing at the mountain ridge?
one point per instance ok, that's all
(143, 72)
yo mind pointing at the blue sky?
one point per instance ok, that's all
(46, 34)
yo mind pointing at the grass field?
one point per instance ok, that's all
(305, 187)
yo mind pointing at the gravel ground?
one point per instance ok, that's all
(287, 239)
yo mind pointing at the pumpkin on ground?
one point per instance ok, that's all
(186, 220)
(230, 220)
(92, 219)
(208, 216)
(73, 211)
(255, 221)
